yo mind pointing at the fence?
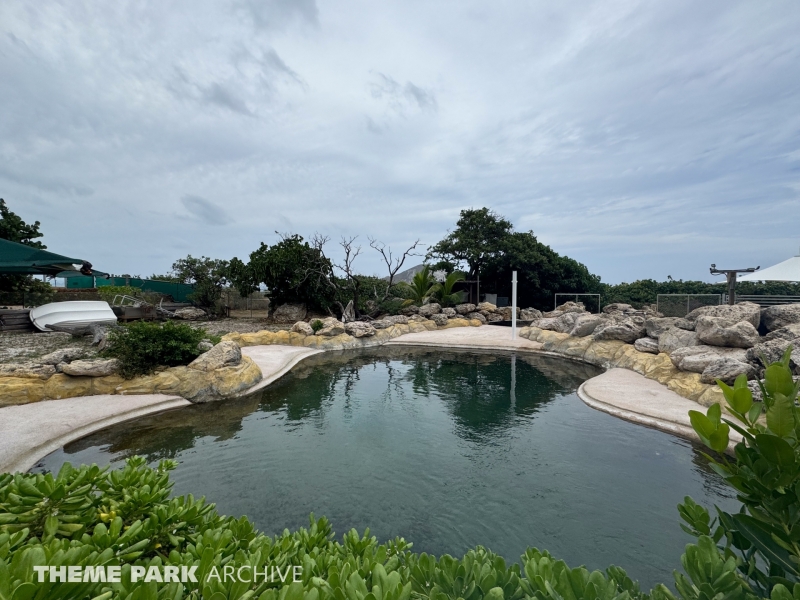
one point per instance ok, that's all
(575, 296)
(254, 305)
(680, 305)
(764, 300)
(179, 291)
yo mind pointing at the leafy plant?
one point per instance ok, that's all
(761, 544)
(143, 346)
(444, 291)
(208, 276)
(422, 287)
(316, 325)
(108, 292)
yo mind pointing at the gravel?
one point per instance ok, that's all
(27, 347)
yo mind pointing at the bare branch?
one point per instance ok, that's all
(392, 264)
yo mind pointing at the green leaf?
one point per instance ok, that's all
(51, 525)
(714, 413)
(701, 424)
(761, 537)
(778, 380)
(780, 416)
(754, 412)
(719, 439)
(776, 450)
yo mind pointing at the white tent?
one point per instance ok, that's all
(788, 270)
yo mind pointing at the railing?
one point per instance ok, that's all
(680, 305)
(763, 300)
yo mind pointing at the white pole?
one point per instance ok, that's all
(513, 305)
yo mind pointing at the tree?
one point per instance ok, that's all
(444, 291)
(14, 229)
(480, 236)
(423, 285)
(208, 276)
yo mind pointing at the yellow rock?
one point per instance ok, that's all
(550, 339)
(661, 368)
(475, 323)
(687, 385)
(713, 395)
(65, 386)
(312, 341)
(430, 325)
(575, 346)
(106, 385)
(143, 384)
(229, 381)
(456, 322)
(602, 353)
(297, 339)
(629, 357)
(21, 390)
(416, 327)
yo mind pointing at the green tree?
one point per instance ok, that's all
(20, 287)
(422, 287)
(480, 236)
(208, 276)
(14, 229)
(444, 292)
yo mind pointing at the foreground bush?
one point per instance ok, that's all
(141, 347)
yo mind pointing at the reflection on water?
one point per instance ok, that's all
(448, 449)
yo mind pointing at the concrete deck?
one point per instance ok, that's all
(491, 337)
(275, 362)
(627, 395)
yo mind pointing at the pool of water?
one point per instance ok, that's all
(447, 449)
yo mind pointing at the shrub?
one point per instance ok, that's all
(108, 292)
(316, 325)
(142, 346)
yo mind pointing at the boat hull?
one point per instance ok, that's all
(73, 313)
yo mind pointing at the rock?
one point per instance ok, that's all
(426, 310)
(585, 324)
(289, 313)
(224, 354)
(529, 314)
(657, 325)
(674, 338)
(27, 370)
(719, 331)
(410, 310)
(772, 351)
(63, 355)
(440, 320)
(449, 312)
(204, 346)
(755, 389)
(486, 307)
(417, 319)
(464, 309)
(493, 317)
(696, 359)
(776, 317)
(563, 323)
(303, 327)
(627, 330)
(567, 307)
(476, 315)
(359, 329)
(617, 307)
(744, 311)
(190, 313)
(90, 368)
(726, 370)
(349, 313)
(397, 319)
(331, 327)
(382, 324)
(646, 344)
(505, 313)
(790, 332)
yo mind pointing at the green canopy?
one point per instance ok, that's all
(19, 259)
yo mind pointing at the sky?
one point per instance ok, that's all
(641, 138)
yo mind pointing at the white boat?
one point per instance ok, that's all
(79, 312)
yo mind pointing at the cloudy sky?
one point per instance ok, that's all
(641, 138)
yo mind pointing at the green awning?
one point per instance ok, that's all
(19, 259)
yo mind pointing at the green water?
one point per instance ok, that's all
(449, 450)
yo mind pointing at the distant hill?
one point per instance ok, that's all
(407, 275)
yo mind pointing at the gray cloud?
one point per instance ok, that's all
(205, 210)
(643, 139)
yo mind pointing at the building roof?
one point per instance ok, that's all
(788, 270)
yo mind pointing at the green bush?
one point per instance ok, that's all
(141, 347)
(316, 325)
(108, 292)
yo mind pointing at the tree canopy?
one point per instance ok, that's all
(14, 229)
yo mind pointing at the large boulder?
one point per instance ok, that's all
(617, 307)
(27, 370)
(359, 329)
(486, 307)
(657, 325)
(409, 310)
(303, 327)
(674, 338)
(789, 332)
(190, 313)
(465, 309)
(289, 313)
(476, 315)
(224, 354)
(397, 319)
(775, 317)
(562, 323)
(695, 359)
(91, 368)
(450, 313)
(331, 327)
(382, 324)
(529, 314)
(726, 370)
(627, 330)
(493, 317)
(506, 312)
(719, 331)
(426, 310)
(440, 320)
(63, 355)
(744, 311)
(772, 351)
(585, 324)
(646, 344)
(567, 307)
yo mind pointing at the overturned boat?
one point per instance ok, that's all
(74, 313)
